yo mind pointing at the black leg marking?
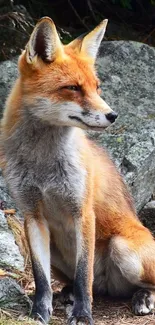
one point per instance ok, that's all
(82, 303)
(39, 243)
(142, 302)
(42, 307)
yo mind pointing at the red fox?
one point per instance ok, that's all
(80, 220)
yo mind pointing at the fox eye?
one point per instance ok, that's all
(72, 87)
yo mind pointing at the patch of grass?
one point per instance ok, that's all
(14, 322)
(7, 319)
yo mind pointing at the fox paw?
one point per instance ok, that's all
(42, 312)
(142, 302)
(80, 315)
(82, 320)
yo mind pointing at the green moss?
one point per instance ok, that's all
(119, 139)
(151, 116)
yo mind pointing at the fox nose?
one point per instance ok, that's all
(111, 116)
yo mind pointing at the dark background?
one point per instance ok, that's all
(128, 19)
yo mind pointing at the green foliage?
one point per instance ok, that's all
(124, 3)
(128, 3)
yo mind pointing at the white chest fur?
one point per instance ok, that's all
(44, 164)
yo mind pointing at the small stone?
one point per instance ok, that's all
(10, 257)
(13, 296)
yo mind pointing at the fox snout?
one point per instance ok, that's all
(91, 119)
(97, 116)
(111, 116)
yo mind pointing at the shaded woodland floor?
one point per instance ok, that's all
(105, 312)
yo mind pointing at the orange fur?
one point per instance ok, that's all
(107, 209)
(113, 206)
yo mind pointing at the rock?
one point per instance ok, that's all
(12, 296)
(126, 70)
(10, 256)
(5, 200)
(147, 215)
(9, 73)
(17, 26)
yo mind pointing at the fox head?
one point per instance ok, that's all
(59, 82)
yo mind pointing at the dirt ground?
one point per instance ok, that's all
(108, 312)
(105, 312)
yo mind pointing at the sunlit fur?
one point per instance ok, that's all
(46, 80)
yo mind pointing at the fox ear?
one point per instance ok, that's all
(92, 41)
(88, 44)
(44, 42)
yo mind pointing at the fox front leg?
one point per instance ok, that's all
(39, 243)
(82, 288)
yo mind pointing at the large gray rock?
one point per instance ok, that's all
(126, 70)
(8, 74)
(6, 201)
(147, 215)
(10, 256)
